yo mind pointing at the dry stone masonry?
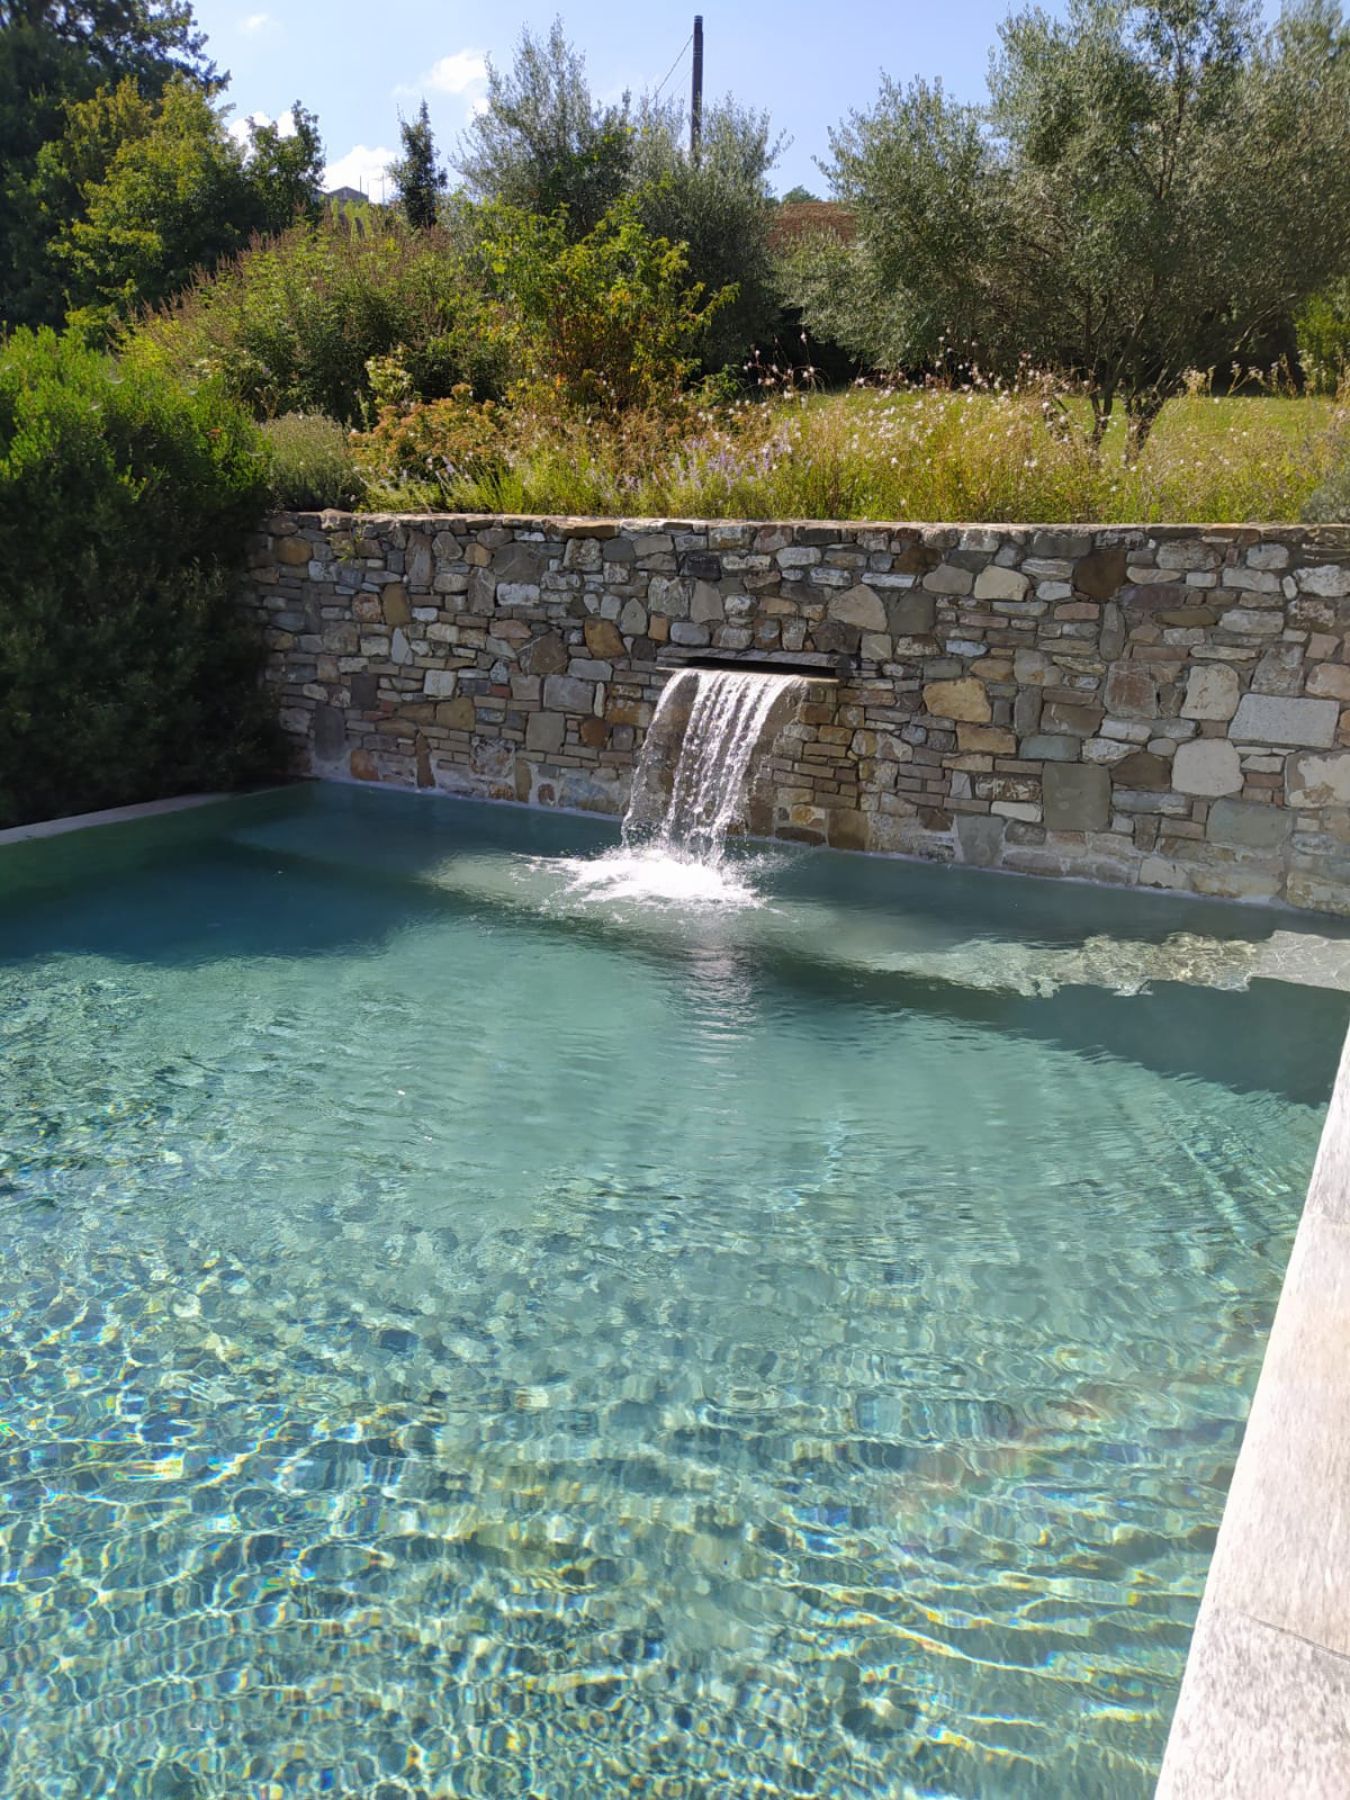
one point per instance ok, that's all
(1168, 707)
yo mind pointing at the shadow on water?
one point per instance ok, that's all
(320, 871)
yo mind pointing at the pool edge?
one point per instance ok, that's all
(114, 815)
(1265, 1699)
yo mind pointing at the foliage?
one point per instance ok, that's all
(126, 669)
(542, 142)
(418, 176)
(310, 463)
(798, 196)
(1023, 454)
(719, 208)
(1149, 188)
(607, 323)
(140, 193)
(292, 325)
(1324, 337)
(53, 52)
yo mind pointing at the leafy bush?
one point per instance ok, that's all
(127, 669)
(291, 325)
(607, 323)
(1324, 338)
(312, 465)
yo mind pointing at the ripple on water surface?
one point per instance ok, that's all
(458, 1340)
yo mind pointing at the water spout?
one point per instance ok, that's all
(677, 824)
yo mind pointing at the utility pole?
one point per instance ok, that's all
(696, 94)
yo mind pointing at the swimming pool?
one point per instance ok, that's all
(466, 1329)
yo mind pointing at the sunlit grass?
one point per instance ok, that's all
(917, 454)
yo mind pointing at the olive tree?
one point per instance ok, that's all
(1148, 189)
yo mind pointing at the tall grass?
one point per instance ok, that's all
(904, 454)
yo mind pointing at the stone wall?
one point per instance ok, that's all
(1162, 706)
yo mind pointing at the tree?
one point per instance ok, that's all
(720, 208)
(136, 195)
(418, 175)
(1149, 188)
(541, 142)
(799, 196)
(53, 52)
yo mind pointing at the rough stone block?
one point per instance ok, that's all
(859, 606)
(1077, 797)
(1207, 766)
(1100, 575)
(1131, 691)
(947, 578)
(980, 839)
(990, 740)
(1312, 780)
(1042, 747)
(966, 699)
(1330, 681)
(563, 693)
(603, 639)
(1248, 825)
(911, 614)
(439, 684)
(1272, 719)
(995, 583)
(1141, 769)
(1211, 692)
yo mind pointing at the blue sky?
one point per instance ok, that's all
(357, 65)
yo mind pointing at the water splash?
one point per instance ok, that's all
(674, 847)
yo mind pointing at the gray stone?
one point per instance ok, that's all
(439, 684)
(911, 615)
(1027, 712)
(330, 732)
(1271, 719)
(1211, 692)
(1207, 766)
(1313, 780)
(1077, 797)
(859, 606)
(947, 578)
(980, 839)
(706, 605)
(633, 618)
(1280, 670)
(1248, 825)
(520, 563)
(564, 694)
(544, 732)
(1044, 747)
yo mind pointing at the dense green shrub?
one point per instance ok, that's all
(291, 324)
(1324, 338)
(127, 670)
(312, 465)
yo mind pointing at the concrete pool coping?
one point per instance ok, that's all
(111, 815)
(1265, 1700)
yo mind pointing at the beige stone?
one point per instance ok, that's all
(1206, 766)
(995, 583)
(1211, 692)
(603, 638)
(1330, 681)
(990, 739)
(1318, 780)
(860, 606)
(965, 698)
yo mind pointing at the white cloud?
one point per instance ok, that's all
(256, 22)
(462, 73)
(238, 128)
(359, 168)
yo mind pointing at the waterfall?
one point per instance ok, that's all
(675, 831)
(728, 712)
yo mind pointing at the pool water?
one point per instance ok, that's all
(467, 1328)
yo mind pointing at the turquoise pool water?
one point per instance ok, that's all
(468, 1331)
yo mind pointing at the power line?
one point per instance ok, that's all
(675, 65)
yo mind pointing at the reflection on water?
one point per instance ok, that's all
(466, 1333)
